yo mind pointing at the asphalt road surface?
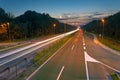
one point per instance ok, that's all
(107, 61)
(12, 55)
(79, 59)
(67, 64)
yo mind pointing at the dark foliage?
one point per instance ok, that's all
(31, 24)
(111, 26)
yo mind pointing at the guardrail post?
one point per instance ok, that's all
(16, 69)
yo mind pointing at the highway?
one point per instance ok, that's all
(105, 63)
(79, 59)
(70, 58)
(8, 56)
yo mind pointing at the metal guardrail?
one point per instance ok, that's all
(3, 78)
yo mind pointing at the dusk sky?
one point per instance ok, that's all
(80, 11)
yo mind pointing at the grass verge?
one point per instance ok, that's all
(42, 56)
(110, 43)
(13, 47)
(114, 77)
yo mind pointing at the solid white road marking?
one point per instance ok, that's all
(90, 59)
(60, 73)
(87, 74)
(73, 47)
(109, 67)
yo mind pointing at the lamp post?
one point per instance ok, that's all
(103, 22)
(8, 29)
(54, 25)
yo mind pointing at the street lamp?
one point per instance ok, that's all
(8, 24)
(103, 22)
(8, 29)
(54, 25)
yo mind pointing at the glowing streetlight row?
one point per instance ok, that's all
(6, 25)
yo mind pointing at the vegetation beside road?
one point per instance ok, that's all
(8, 45)
(5, 48)
(31, 24)
(114, 77)
(42, 56)
(110, 43)
(108, 28)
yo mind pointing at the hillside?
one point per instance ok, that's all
(28, 25)
(111, 26)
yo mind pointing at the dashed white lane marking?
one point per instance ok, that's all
(73, 47)
(83, 41)
(83, 44)
(60, 73)
(84, 48)
(29, 77)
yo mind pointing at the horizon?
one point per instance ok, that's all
(66, 11)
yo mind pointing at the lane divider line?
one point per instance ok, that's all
(73, 47)
(86, 65)
(84, 48)
(83, 44)
(109, 67)
(87, 73)
(60, 73)
(90, 59)
(83, 40)
(29, 77)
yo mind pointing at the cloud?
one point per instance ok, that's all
(97, 13)
(81, 18)
(68, 18)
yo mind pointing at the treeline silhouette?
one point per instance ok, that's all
(111, 26)
(30, 24)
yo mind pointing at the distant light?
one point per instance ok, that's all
(60, 17)
(103, 20)
(54, 25)
(69, 16)
(8, 23)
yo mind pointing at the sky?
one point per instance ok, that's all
(68, 11)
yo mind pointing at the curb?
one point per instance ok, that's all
(104, 46)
